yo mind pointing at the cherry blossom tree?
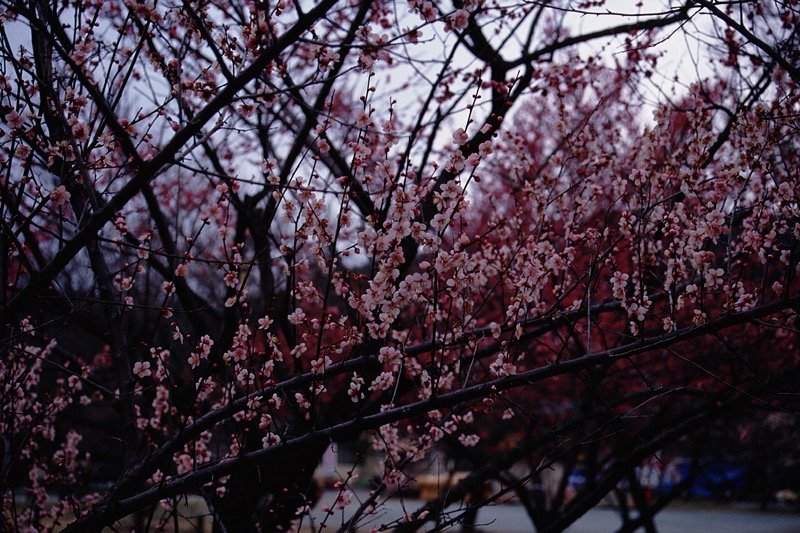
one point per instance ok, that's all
(237, 232)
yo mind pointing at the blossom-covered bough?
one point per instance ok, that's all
(529, 236)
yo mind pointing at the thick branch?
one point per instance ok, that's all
(190, 481)
(150, 169)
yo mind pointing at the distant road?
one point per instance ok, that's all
(683, 518)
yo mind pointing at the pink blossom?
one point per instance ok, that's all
(713, 277)
(469, 440)
(383, 382)
(425, 9)
(80, 130)
(363, 120)
(141, 369)
(502, 367)
(460, 137)
(619, 282)
(301, 400)
(318, 366)
(231, 278)
(460, 19)
(297, 316)
(246, 109)
(59, 196)
(22, 151)
(126, 283)
(343, 499)
(354, 390)
(390, 355)
(14, 119)
(181, 270)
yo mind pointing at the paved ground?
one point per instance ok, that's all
(682, 518)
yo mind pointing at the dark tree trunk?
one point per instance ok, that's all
(265, 498)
